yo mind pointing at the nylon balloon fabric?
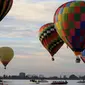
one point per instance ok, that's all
(83, 56)
(6, 55)
(69, 21)
(5, 6)
(50, 38)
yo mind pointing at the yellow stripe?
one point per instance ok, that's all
(66, 10)
(72, 4)
(60, 17)
(57, 25)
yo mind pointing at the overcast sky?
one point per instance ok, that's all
(19, 30)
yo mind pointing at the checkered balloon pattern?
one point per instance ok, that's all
(69, 20)
(49, 38)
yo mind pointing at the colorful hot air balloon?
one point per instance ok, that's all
(83, 56)
(5, 6)
(50, 38)
(69, 20)
(6, 54)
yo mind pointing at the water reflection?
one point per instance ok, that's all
(27, 82)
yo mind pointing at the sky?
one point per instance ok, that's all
(19, 30)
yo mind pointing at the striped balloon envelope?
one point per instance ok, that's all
(5, 6)
(69, 20)
(50, 38)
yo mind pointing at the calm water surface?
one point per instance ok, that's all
(27, 82)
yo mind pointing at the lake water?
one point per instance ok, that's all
(27, 82)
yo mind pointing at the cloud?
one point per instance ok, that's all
(36, 12)
(11, 27)
(19, 30)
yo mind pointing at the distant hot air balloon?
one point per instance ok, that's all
(5, 6)
(6, 54)
(69, 20)
(50, 38)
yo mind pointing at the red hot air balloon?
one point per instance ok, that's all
(50, 38)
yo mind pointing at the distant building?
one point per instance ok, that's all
(22, 75)
(73, 77)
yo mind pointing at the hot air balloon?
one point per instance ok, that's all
(82, 56)
(6, 54)
(5, 6)
(50, 38)
(69, 20)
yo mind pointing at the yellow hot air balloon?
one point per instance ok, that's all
(6, 54)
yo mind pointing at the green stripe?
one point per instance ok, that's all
(45, 31)
(47, 28)
(71, 9)
(77, 17)
(51, 46)
(77, 3)
(82, 9)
